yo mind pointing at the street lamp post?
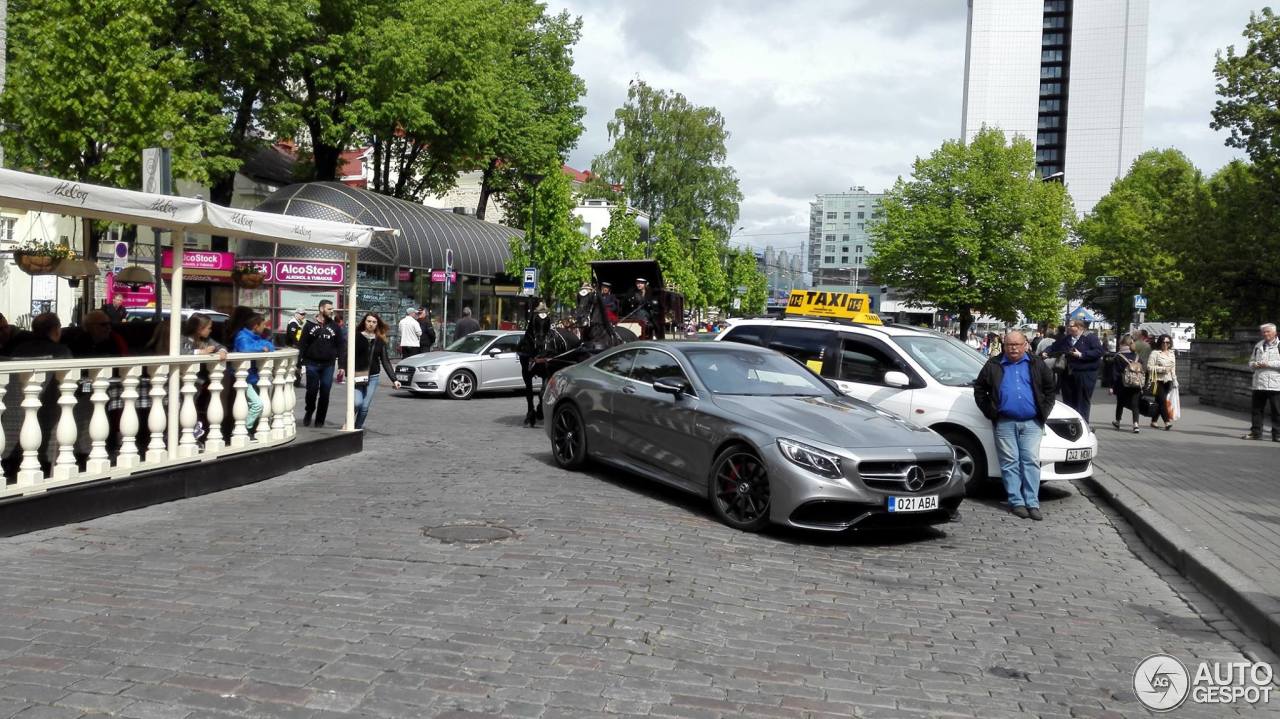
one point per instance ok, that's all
(534, 179)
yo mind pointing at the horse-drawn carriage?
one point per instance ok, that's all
(648, 313)
(597, 322)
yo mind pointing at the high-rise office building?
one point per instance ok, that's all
(839, 245)
(1068, 74)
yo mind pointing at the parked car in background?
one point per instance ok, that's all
(148, 314)
(481, 361)
(762, 438)
(925, 377)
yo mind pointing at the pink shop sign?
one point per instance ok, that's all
(200, 260)
(297, 272)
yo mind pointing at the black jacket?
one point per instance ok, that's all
(428, 334)
(323, 343)
(371, 355)
(1091, 352)
(986, 390)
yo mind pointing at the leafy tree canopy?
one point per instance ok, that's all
(90, 85)
(675, 257)
(669, 157)
(621, 239)
(976, 230)
(552, 241)
(744, 272)
(1249, 92)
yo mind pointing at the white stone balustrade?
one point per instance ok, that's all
(93, 402)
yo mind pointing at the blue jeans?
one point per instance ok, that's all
(319, 382)
(1018, 447)
(255, 407)
(364, 398)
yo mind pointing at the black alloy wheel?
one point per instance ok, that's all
(460, 385)
(740, 493)
(568, 437)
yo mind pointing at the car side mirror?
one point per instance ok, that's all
(672, 386)
(494, 351)
(897, 379)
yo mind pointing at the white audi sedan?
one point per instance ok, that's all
(482, 361)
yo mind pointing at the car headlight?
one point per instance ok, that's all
(811, 458)
(429, 369)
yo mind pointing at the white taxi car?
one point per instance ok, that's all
(924, 377)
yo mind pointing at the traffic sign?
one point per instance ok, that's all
(530, 285)
(1139, 302)
(1107, 280)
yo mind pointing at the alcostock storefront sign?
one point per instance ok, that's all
(301, 272)
(200, 265)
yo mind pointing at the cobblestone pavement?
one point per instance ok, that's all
(317, 594)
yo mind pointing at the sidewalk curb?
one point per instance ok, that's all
(1257, 613)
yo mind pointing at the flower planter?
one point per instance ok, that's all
(249, 281)
(36, 264)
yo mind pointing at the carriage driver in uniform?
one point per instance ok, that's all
(641, 302)
(609, 301)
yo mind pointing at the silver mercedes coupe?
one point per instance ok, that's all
(760, 435)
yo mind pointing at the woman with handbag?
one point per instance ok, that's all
(1127, 377)
(371, 359)
(1162, 365)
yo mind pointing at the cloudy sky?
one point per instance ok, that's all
(820, 96)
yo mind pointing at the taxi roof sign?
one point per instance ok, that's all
(838, 305)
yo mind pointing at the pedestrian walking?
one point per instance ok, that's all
(465, 326)
(1265, 362)
(1015, 392)
(410, 333)
(1142, 346)
(371, 359)
(1162, 367)
(1127, 378)
(428, 330)
(1084, 354)
(323, 345)
(250, 339)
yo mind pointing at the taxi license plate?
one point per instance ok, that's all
(1076, 455)
(913, 504)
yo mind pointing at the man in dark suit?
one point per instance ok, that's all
(1084, 355)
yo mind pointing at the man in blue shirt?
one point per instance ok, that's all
(1015, 391)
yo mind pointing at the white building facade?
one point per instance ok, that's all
(839, 245)
(1068, 74)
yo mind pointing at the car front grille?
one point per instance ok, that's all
(1070, 467)
(892, 476)
(1068, 429)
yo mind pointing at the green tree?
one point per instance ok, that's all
(1134, 233)
(1230, 255)
(669, 157)
(676, 260)
(235, 49)
(91, 84)
(621, 239)
(1249, 92)
(976, 230)
(744, 272)
(553, 242)
(708, 266)
(539, 110)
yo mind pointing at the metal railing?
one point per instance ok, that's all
(82, 420)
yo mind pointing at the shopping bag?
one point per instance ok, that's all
(1173, 404)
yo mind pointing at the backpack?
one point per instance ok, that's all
(1133, 374)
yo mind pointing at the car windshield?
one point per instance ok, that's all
(471, 344)
(755, 373)
(947, 360)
